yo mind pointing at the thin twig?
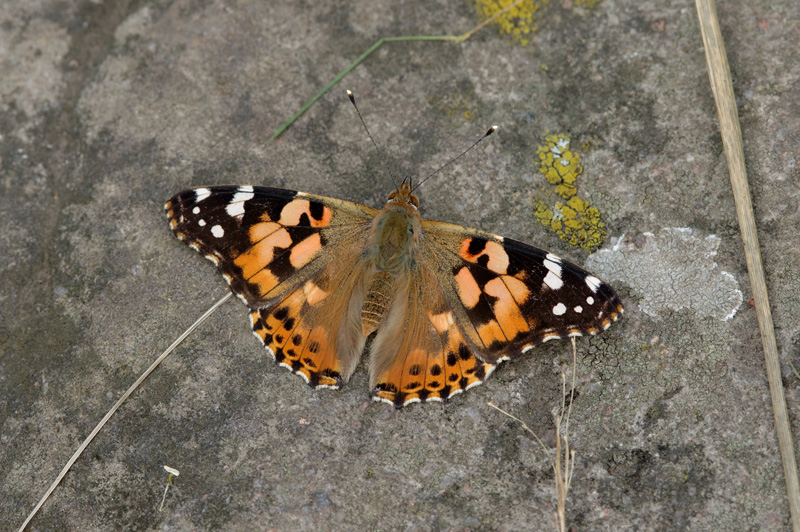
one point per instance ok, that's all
(119, 402)
(720, 77)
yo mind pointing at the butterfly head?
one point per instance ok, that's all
(404, 195)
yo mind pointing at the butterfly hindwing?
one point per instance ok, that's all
(419, 354)
(314, 331)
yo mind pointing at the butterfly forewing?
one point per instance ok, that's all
(507, 296)
(264, 241)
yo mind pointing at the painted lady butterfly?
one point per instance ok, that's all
(437, 305)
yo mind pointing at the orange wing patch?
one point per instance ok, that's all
(302, 211)
(270, 240)
(253, 261)
(490, 254)
(493, 303)
(506, 306)
(468, 290)
(304, 251)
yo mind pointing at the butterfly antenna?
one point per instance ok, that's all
(451, 161)
(391, 174)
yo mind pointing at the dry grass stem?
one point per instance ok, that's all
(564, 462)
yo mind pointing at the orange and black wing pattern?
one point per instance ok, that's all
(487, 299)
(508, 297)
(427, 359)
(283, 253)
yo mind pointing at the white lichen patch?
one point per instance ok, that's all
(673, 269)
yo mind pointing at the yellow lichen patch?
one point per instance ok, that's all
(573, 220)
(558, 164)
(519, 21)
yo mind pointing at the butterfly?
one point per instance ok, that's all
(437, 306)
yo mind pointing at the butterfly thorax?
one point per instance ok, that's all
(395, 232)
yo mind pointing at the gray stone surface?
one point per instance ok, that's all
(108, 108)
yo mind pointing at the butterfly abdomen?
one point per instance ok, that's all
(394, 234)
(379, 292)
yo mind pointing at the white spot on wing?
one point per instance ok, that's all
(236, 207)
(201, 194)
(590, 300)
(201, 223)
(553, 281)
(380, 399)
(593, 283)
(455, 392)
(298, 373)
(578, 309)
(196, 210)
(218, 231)
(553, 278)
(553, 263)
(474, 384)
(559, 309)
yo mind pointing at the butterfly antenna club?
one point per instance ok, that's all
(454, 159)
(388, 169)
